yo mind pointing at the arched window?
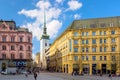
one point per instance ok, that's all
(21, 39)
(21, 47)
(29, 39)
(12, 56)
(3, 56)
(28, 48)
(12, 47)
(4, 39)
(21, 56)
(3, 47)
(12, 39)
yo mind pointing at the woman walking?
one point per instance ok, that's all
(35, 75)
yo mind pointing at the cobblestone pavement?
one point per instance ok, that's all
(56, 76)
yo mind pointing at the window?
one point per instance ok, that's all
(105, 58)
(3, 56)
(104, 32)
(100, 41)
(76, 58)
(21, 56)
(75, 49)
(21, 39)
(111, 24)
(93, 33)
(113, 48)
(28, 48)
(83, 50)
(93, 25)
(113, 58)
(12, 48)
(87, 41)
(83, 58)
(87, 50)
(3, 39)
(113, 40)
(3, 47)
(75, 34)
(82, 33)
(104, 49)
(12, 56)
(12, 39)
(82, 41)
(104, 40)
(75, 41)
(102, 25)
(29, 55)
(93, 41)
(100, 49)
(86, 33)
(29, 39)
(100, 57)
(45, 44)
(84, 26)
(21, 47)
(100, 33)
(70, 45)
(93, 58)
(113, 32)
(87, 57)
(94, 49)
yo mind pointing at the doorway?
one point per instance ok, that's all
(94, 71)
(103, 68)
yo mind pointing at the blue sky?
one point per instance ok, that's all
(59, 14)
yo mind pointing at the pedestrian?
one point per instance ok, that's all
(35, 75)
(26, 74)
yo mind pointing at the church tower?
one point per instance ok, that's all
(44, 44)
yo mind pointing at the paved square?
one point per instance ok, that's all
(55, 76)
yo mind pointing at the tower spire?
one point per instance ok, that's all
(44, 29)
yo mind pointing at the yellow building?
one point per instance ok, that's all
(89, 46)
(37, 59)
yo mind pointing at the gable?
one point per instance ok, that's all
(4, 27)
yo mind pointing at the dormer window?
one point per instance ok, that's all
(4, 27)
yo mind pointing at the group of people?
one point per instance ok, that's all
(74, 73)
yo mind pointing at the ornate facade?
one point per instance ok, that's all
(91, 46)
(15, 45)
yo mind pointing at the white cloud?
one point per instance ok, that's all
(41, 4)
(77, 16)
(53, 27)
(53, 16)
(74, 5)
(31, 13)
(59, 1)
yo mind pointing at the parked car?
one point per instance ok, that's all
(24, 72)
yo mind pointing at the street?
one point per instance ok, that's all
(55, 76)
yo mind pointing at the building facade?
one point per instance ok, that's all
(89, 46)
(15, 46)
(37, 59)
